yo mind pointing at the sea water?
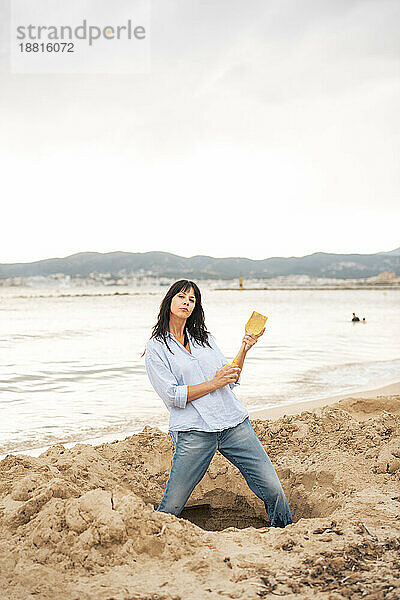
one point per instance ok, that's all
(71, 367)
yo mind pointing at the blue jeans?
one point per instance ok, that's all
(241, 446)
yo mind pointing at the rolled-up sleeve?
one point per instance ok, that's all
(164, 381)
(233, 384)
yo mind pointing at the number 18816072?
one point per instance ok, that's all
(49, 47)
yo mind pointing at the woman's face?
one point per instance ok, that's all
(183, 303)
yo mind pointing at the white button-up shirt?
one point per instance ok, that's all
(171, 373)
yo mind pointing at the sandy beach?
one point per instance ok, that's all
(79, 523)
(299, 407)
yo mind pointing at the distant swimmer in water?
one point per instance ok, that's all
(355, 319)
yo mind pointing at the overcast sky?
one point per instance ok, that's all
(264, 128)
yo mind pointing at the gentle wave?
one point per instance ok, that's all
(126, 428)
(85, 295)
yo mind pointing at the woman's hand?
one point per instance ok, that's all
(250, 339)
(227, 374)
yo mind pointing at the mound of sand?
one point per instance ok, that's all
(364, 408)
(80, 523)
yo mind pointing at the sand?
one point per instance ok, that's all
(298, 407)
(80, 523)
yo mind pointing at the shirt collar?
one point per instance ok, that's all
(169, 334)
(191, 341)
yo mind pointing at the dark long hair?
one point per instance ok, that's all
(195, 324)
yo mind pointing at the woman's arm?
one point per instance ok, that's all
(248, 341)
(224, 376)
(164, 381)
(175, 395)
(240, 357)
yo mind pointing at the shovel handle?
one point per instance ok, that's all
(239, 354)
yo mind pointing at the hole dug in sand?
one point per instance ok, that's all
(310, 495)
(236, 513)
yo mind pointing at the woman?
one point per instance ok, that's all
(192, 377)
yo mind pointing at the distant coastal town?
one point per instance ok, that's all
(126, 282)
(125, 272)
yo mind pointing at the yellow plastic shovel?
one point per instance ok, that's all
(255, 326)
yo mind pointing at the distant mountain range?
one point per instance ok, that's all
(163, 264)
